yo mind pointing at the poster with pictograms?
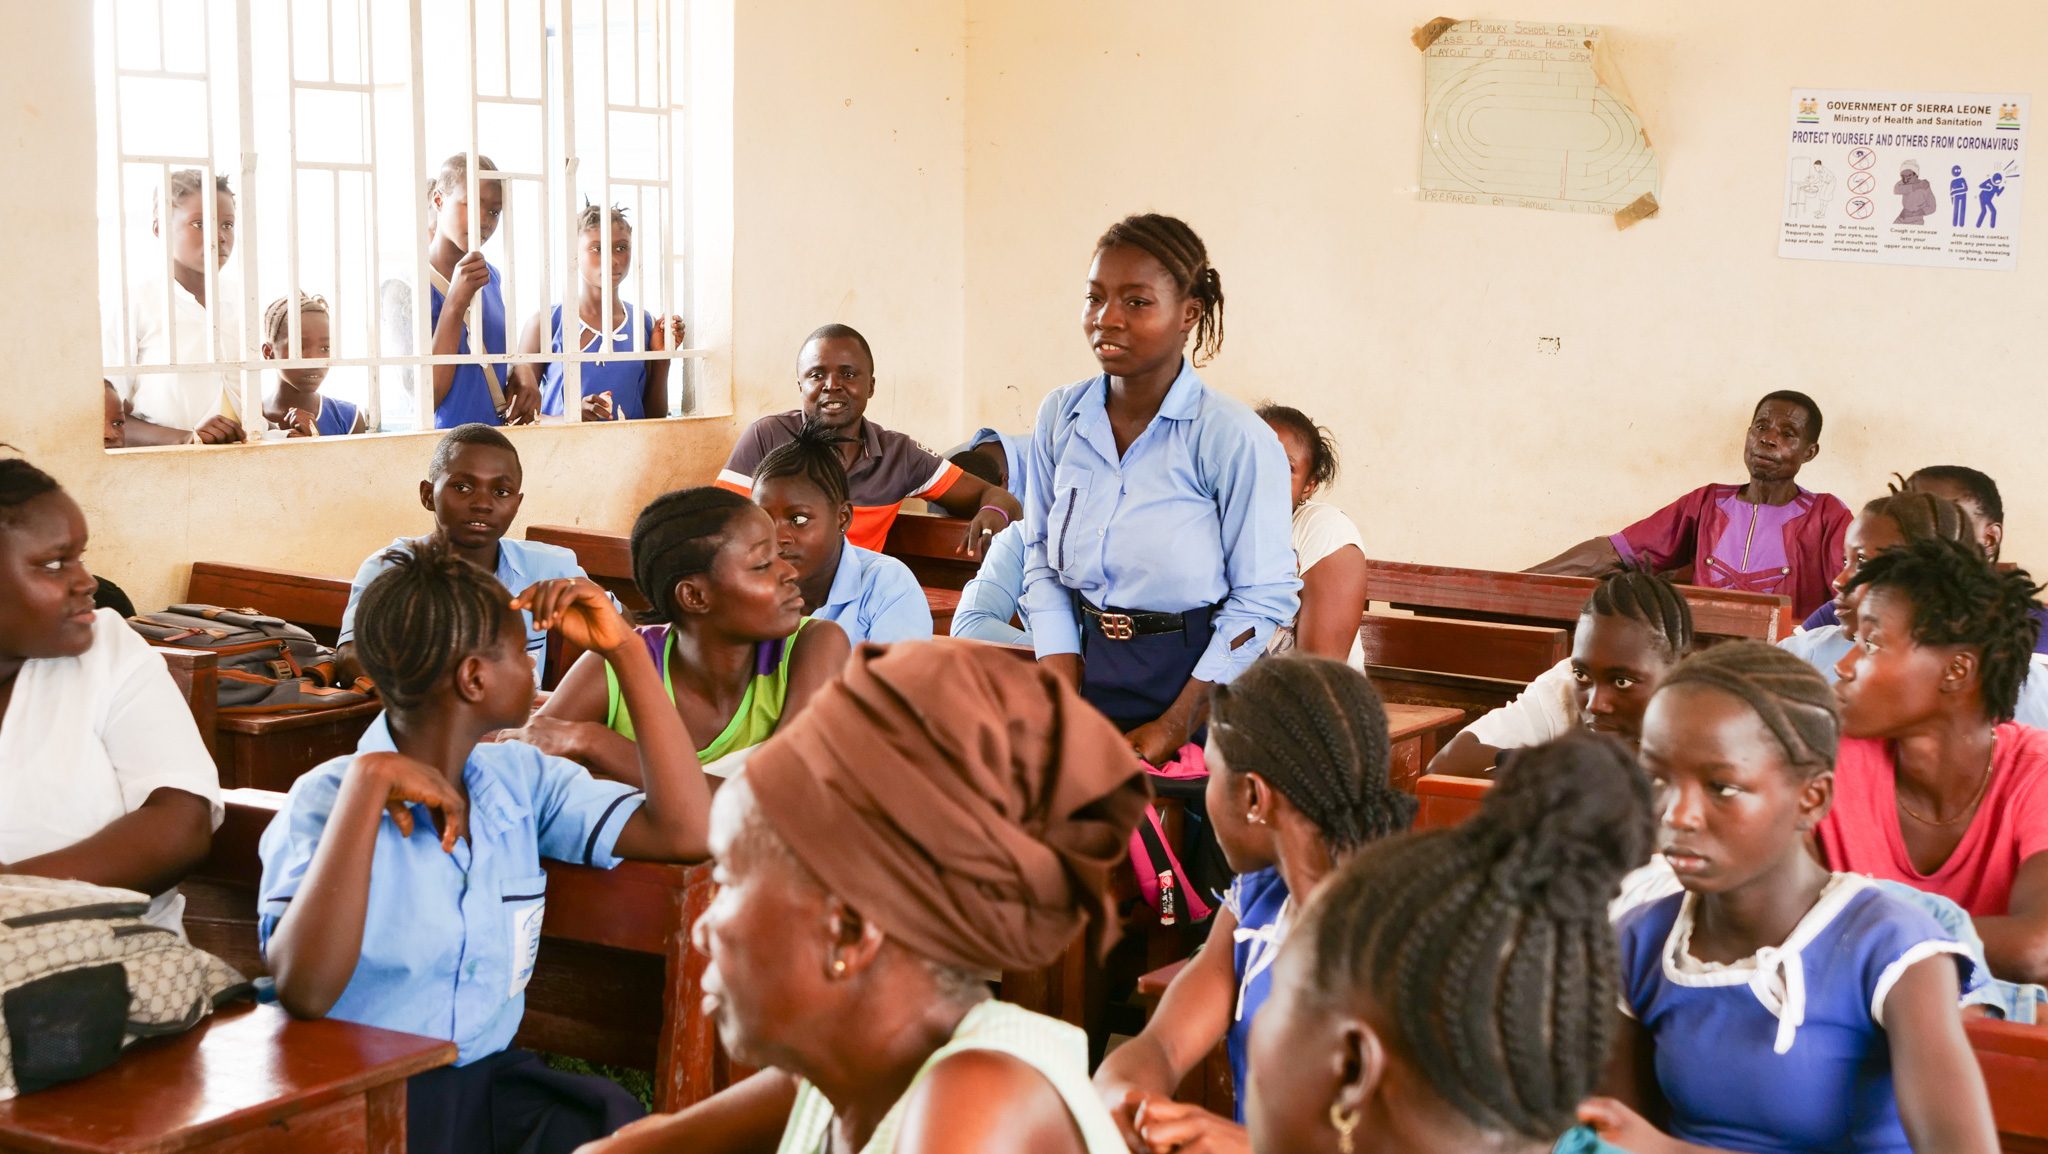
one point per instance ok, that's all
(1917, 178)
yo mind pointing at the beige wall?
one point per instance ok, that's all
(1289, 137)
(847, 191)
(934, 172)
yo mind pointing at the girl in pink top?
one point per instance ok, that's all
(1935, 786)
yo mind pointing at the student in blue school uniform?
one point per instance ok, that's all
(402, 886)
(1158, 555)
(297, 404)
(473, 489)
(494, 393)
(873, 596)
(1774, 1006)
(612, 390)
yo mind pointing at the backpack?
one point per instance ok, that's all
(1179, 886)
(266, 664)
(82, 975)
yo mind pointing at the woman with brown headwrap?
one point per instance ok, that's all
(941, 812)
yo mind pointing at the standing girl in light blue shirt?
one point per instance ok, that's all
(402, 887)
(1158, 555)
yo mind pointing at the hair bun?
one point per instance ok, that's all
(1566, 821)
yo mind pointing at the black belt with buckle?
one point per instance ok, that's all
(1119, 625)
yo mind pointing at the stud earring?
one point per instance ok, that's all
(1345, 1123)
(838, 967)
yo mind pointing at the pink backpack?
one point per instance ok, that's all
(1153, 858)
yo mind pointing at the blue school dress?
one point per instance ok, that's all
(450, 938)
(1189, 527)
(625, 380)
(337, 417)
(875, 597)
(1258, 900)
(469, 395)
(1784, 1051)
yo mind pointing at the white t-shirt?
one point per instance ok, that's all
(1548, 708)
(1318, 531)
(177, 400)
(86, 739)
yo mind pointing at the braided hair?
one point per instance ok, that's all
(1486, 946)
(1315, 729)
(812, 454)
(1960, 598)
(1787, 693)
(473, 433)
(1185, 258)
(421, 616)
(20, 483)
(1922, 516)
(277, 317)
(1650, 600)
(593, 215)
(678, 535)
(1321, 442)
(1983, 490)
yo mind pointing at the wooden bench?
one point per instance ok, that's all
(929, 544)
(249, 1079)
(196, 672)
(617, 981)
(311, 602)
(1414, 732)
(2014, 1057)
(1540, 599)
(1471, 666)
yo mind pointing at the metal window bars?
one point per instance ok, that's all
(656, 35)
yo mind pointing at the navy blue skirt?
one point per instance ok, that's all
(511, 1103)
(1132, 682)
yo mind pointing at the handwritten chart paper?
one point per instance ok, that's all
(1533, 116)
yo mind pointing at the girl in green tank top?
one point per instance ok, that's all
(728, 634)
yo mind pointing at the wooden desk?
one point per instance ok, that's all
(270, 752)
(928, 544)
(615, 982)
(1413, 734)
(250, 1079)
(1444, 801)
(1538, 599)
(196, 672)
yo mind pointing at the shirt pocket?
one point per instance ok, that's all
(525, 902)
(1069, 488)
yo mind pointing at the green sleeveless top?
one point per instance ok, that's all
(759, 710)
(1055, 1049)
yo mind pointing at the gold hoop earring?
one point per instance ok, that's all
(1344, 1123)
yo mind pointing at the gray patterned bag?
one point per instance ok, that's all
(82, 975)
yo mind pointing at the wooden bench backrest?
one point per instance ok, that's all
(607, 557)
(928, 544)
(1443, 801)
(1468, 648)
(311, 602)
(1541, 599)
(196, 672)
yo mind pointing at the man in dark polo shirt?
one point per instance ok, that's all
(835, 380)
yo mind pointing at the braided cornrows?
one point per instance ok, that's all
(1922, 516)
(1316, 731)
(1486, 947)
(1960, 598)
(676, 536)
(1649, 599)
(1186, 259)
(424, 613)
(1789, 695)
(813, 454)
(593, 215)
(277, 317)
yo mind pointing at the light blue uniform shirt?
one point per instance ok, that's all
(876, 598)
(1193, 514)
(520, 564)
(1822, 646)
(1016, 456)
(989, 601)
(449, 939)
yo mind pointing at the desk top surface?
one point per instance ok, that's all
(239, 1070)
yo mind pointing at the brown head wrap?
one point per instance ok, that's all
(967, 800)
